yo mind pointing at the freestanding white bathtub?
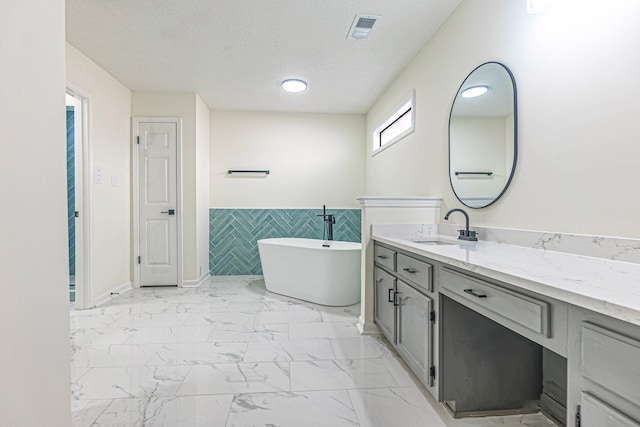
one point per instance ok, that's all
(304, 269)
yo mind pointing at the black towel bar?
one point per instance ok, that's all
(232, 171)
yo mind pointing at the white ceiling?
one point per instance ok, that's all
(235, 53)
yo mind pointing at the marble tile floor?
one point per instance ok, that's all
(230, 353)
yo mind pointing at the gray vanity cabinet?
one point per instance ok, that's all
(499, 345)
(596, 413)
(404, 311)
(385, 310)
(414, 341)
(605, 371)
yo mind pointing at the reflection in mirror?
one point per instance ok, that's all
(483, 135)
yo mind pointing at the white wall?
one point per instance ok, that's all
(110, 136)
(576, 72)
(314, 159)
(34, 309)
(182, 104)
(202, 185)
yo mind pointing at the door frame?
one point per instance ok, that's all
(84, 273)
(135, 147)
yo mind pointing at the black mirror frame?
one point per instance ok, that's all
(515, 133)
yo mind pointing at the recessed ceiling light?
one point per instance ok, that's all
(474, 91)
(294, 85)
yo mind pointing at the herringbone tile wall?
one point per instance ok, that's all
(234, 233)
(71, 220)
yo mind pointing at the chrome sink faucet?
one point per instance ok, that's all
(465, 234)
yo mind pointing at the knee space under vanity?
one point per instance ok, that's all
(488, 369)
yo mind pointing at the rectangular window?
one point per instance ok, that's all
(399, 124)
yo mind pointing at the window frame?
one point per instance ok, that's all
(397, 113)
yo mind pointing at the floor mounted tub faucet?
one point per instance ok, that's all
(329, 220)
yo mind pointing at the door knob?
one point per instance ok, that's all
(170, 212)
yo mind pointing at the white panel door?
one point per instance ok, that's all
(157, 169)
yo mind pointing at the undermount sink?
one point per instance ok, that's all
(434, 242)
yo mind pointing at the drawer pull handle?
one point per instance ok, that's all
(395, 298)
(410, 270)
(390, 297)
(474, 293)
(383, 257)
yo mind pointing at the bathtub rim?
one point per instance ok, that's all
(336, 245)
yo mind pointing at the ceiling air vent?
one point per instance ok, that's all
(362, 27)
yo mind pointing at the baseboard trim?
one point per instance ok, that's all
(196, 283)
(368, 328)
(109, 295)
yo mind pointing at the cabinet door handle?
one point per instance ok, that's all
(383, 256)
(395, 298)
(390, 298)
(410, 270)
(474, 293)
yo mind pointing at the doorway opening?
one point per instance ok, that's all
(71, 226)
(78, 207)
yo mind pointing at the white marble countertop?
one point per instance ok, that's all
(604, 286)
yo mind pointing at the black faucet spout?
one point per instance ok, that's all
(465, 234)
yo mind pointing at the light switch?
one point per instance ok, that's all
(115, 181)
(98, 175)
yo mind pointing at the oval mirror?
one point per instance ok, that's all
(483, 135)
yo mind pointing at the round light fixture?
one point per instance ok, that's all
(473, 91)
(294, 85)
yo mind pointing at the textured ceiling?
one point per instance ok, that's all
(235, 53)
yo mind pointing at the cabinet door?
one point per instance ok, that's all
(414, 330)
(598, 414)
(384, 313)
(610, 360)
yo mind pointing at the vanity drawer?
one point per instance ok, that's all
(513, 306)
(416, 271)
(385, 257)
(611, 361)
